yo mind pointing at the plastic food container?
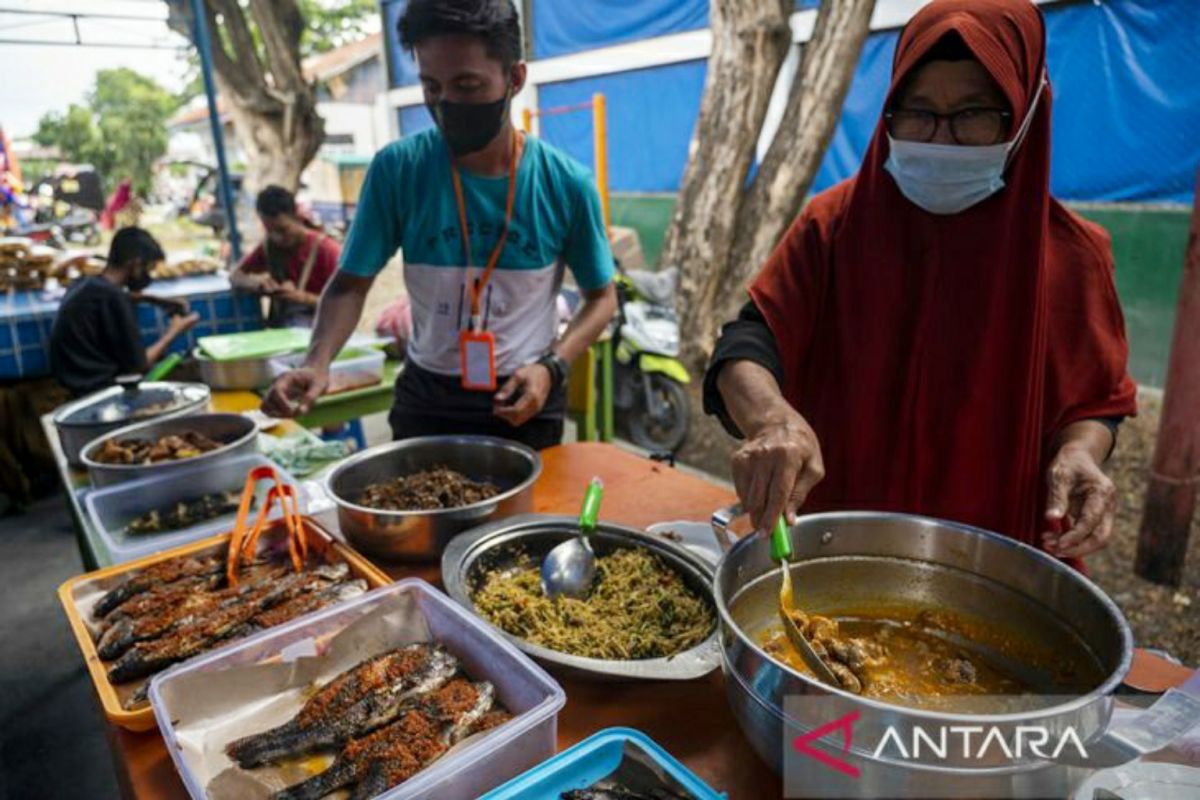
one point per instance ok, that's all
(79, 595)
(594, 758)
(533, 697)
(353, 368)
(112, 508)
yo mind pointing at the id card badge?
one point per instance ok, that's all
(477, 357)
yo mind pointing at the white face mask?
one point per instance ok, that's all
(949, 178)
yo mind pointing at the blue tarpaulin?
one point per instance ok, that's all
(1126, 112)
(1126, 101)
(651, 113)
(570, 26)
(403, 71)
(414, 119)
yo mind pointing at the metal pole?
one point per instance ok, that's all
(1175, 472)
(204, 46)
(600, 142)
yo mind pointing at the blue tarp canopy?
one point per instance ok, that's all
(1124, 72)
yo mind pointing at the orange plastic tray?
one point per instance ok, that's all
(320, 542)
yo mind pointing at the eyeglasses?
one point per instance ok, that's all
(970, 126)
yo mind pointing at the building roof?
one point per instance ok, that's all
(317, 68)
(328, 65)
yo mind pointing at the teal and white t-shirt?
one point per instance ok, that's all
(407, 202)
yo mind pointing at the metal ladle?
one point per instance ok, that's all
(570, 568)
(781, 551)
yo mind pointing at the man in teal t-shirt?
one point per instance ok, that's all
(529, 212)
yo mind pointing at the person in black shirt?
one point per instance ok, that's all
(95, 336)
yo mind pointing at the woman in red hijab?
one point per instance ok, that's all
(938, 335)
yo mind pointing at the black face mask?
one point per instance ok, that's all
(139, 279)
(469, 127)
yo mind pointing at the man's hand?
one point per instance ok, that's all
(181, 324)
(174, 306)
(293, 393)
(268, 285)
(776, 468)
(1079, 488)
(523, 395)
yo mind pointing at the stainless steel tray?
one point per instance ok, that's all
(490, 546)
(238, 434)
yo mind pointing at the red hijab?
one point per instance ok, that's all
(937, 356)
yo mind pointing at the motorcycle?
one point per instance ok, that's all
(649, 381)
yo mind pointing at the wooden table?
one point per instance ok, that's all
(691, 719)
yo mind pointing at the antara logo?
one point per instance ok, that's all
(978, 742)
(982, 743)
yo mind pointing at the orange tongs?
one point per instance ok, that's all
(244, 544)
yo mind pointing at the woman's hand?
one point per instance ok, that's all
(776, 468)
(1078, 487)
(523, 395)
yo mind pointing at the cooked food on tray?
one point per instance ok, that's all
(173, 447)
(176, 609)
(185, 513)
(638, 608)
(614, 790)
(384, 719)
(428, 490)
(917, 657)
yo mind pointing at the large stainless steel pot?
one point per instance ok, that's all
(862, 560)
(238, 435)
(423, 535)
(505, 542)
(82, 420)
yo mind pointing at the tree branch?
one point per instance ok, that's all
(809, 120)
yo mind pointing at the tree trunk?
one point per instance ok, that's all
(724, 228)
(272, 105)
(750, 41)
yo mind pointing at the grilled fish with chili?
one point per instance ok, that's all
(373, 696)
(426, 729)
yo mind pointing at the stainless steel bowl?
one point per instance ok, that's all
(238, 435)
(504, 543)
(423, 535)
(85, 419)
(235, 374)
(857, 560)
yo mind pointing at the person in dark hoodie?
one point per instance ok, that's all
(95, 336)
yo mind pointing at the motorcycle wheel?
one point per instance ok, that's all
(669, 430)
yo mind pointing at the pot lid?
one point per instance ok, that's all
(118, 404)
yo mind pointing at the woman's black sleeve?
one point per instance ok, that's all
(747, 338)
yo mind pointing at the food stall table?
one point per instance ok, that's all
(690, 719)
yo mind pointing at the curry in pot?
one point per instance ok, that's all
(922, 657)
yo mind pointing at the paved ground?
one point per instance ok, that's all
(52, 733)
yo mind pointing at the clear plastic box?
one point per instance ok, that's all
(533, 697)
(354, 368)
(112, 508)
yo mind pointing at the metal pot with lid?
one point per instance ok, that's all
(849, 561)
(130, 401)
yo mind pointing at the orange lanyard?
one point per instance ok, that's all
(476, 287)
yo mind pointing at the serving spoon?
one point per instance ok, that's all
(781, 551)
(570, 568)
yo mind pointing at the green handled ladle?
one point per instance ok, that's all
(781, 551)
(570, 568)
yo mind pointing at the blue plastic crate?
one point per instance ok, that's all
(589, 761)
(34, 361)
(7, 335)
(8, 366)
(223, 305)
(29, 333)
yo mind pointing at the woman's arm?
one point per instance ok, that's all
(780, 462)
